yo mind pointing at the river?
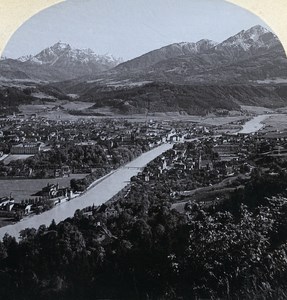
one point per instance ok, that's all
(106, 188)
(98, 194)
(254, 124)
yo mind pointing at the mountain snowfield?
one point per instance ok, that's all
(252, 42)
(56, 63)
(62, 51)
(255, 37)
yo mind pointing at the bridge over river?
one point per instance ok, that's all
(133, 168)
(98, 193)
(105, 188)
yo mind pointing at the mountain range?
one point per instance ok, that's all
(237, 70)
(56, 63)
(195, 62)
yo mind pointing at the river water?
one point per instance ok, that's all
(97, 194)
(254, 124)
(105, 189)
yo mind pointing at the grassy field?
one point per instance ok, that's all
(219, 121)
(282, 110)
(205, 197)
(275, 122)
(12, 157)
(257, 110)
(44, 109)
(21, 189)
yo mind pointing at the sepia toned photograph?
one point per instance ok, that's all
(143, 153)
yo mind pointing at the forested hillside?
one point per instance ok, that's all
(140, 248)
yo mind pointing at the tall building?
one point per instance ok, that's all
(26, 148)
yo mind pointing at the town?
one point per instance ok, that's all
(71, 153)
(66, 157)
(206, 170)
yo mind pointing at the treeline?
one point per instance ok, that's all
(163, 97)
(76, 157)
(120, 156)
(140, 248)
(82, 184)
(193, 99)
(11, 98)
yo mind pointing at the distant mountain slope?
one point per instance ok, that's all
(247, 43)
(56, 63)
(63, 55)
(254, 54)
(188, 77)
(203, 61)
(190, 99)
(193, 77)
(12, 69)
(11, 96)
(185, 62)
(168, 52)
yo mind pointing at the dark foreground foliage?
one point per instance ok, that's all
(140, 248)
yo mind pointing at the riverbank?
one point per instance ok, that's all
(103, 189)
(100, 192)
(254, 125)
(27, 188)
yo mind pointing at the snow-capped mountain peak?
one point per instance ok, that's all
(257, 30)
(62, 54)
(61, 60)
(257, 37)
(198, 47)
(61, 46)
(205, 45)
(25, 58)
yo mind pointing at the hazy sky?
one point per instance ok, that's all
(129, 28)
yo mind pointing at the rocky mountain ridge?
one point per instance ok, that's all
(211, 75)
(193, 62)
(56, 63)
